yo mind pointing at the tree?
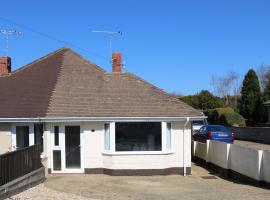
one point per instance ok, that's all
(208, 101)
(250, 101)
(203, 101)
(263, 73)
(226, 86)
(266, 95)
(192, 100)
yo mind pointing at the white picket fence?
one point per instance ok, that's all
(247, 161)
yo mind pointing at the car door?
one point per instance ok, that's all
(204, 134)
(198, 135)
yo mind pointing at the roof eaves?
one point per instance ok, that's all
(115, 119)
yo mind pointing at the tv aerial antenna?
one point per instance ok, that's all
(7, 33)
(110, 34)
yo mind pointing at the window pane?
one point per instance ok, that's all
(56, 160)
(169, 136)
(38, 130)
(73, 147)
(22, 136)
(107, 137)
(138, 136)
(56, 136)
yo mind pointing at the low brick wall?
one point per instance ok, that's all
(254, 134)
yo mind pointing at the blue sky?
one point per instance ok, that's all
(176, 45)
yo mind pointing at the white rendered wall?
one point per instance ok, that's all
(244, 160)
(93, 144)
(96, 158)
(266, 166)
(200, 150)
(218, 153)
(5, 138)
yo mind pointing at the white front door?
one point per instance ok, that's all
(67, 149)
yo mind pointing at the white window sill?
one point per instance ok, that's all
(137, 153)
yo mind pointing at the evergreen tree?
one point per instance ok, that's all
(250, 101)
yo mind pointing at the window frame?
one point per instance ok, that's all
(163, 151)
(169, 136)
(25, 138)
(107, 143)
(32, 136)
(14, 134)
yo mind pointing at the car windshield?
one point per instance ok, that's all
(216, 128)
(198, 122)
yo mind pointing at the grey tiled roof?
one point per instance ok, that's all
(63, 84)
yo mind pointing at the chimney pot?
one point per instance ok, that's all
(116, 62)
(5, 65)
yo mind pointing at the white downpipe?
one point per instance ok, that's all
(184, 163)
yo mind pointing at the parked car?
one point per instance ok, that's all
(214, 132)
(197, 124)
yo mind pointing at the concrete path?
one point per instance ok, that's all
(200, 185)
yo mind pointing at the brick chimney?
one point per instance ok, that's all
(116, 62)
(5, 65)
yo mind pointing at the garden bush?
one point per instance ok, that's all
(225, 116)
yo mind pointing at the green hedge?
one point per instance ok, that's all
(225, 116)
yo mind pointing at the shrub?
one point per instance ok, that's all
(203, 100)
(225, 116)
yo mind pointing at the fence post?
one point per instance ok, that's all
(260, 163)
(207, 151)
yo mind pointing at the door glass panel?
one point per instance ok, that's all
(38, 130)
(56, 160)
(56, 136)
(73, 148)
(22, 136)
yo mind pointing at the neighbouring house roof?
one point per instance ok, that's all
(267, 103)
(63, 84)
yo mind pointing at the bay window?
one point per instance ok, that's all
(137, 137)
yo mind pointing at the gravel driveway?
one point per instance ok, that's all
(200, 185)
